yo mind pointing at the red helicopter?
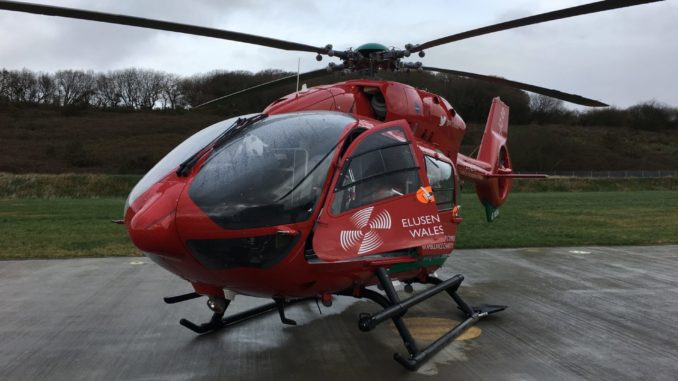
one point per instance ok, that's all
(329, 190)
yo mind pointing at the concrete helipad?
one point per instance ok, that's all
(598, 313)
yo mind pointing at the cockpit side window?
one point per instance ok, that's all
(382, 166)
(353, 135)
(441, 177)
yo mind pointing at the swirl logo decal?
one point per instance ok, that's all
(365, 237)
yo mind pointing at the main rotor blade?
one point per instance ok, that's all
(157, 24)
(273, 83)
(536, 19)
(573, 98)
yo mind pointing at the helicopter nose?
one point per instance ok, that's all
(152, 227)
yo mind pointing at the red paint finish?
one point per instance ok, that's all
(337, 250)
(491, 170)
(391, 224)
(431, 117)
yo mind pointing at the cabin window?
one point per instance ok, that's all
(382, 166)
(441, 177)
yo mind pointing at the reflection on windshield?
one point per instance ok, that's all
(178, 155)
(272, 174)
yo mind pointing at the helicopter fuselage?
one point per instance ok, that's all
(269, 213)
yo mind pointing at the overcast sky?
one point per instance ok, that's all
(621, 57)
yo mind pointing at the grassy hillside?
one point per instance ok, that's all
(559, 147)
(34, 140)
(38, 140)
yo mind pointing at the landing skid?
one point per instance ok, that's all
(395, 309)
(218, 320)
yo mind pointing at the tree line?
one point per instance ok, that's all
(129, 88)
(143, 89)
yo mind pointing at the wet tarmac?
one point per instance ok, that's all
(597, 313)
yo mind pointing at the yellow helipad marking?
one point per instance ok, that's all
(136, 263)
(426, 328)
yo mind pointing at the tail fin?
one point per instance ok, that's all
(493, 191)
(496, 133)
(491, 170)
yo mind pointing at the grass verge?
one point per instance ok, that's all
(573, 219)
(67, 228)
(62, 228)
(77, 185)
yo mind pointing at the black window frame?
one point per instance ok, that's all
(453, 201)
(415, 168)
(347, 166)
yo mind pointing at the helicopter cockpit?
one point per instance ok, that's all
(270, 174)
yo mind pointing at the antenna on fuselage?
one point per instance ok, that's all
(298, 71)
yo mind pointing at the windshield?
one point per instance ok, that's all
(178, 155)
(272, 174)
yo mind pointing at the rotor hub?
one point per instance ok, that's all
(373, 57)
(370, 48)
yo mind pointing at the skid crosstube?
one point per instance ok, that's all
(395, 309)
(218, 320)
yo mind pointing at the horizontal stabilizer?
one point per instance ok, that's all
(518, 175)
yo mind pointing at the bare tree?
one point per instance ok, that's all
(150, 86)
(171, 94)
(546, 109)
(127, 81)
(193, 90)
(545, 104)
(29, 83)
(13, 86)
(21, 86)
(74, 87)
(4, 87)
(107, 92)
(46, 87)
